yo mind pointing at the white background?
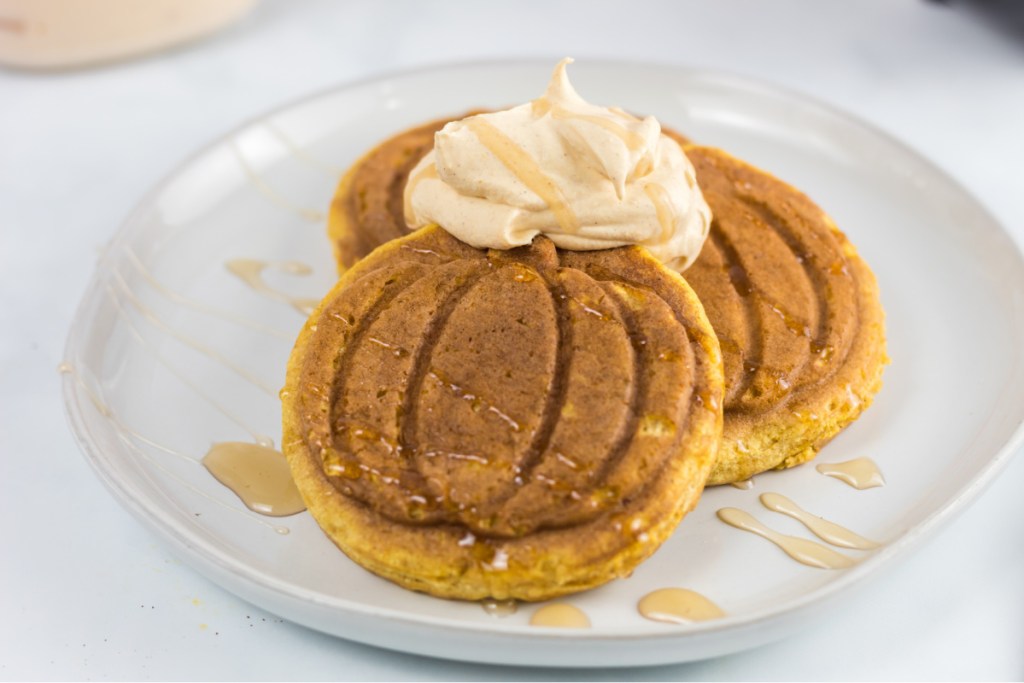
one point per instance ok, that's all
(86, 593)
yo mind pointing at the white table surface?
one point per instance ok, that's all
(87, 593)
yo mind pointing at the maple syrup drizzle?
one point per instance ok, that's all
(258, 475)
(633, 140)
(250, 271)
(427, 173)
(830, 532)
(151, 316)
(678, 606)
(476, 402)
(270, 193)
(800, 549)
(301, 154)
(183, 300)
(663, 209)
(261, 439)
(526, 169)
(126, 436)
(860, 473)
(560, 615)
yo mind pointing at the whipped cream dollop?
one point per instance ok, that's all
(588, 177)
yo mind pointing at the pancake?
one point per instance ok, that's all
(367, 209)
(796, 312)
(507, 424)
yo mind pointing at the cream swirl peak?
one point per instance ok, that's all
(588, 177)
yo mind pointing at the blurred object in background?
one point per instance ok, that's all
(1005, 15)
(57, 34)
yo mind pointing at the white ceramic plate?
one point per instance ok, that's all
(160, 372)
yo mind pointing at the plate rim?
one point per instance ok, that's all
(194, 551)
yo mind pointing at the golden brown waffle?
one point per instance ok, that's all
(518, 424)
(796, 312)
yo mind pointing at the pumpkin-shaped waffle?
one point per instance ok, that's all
(367, 208)
(796, 312)
(518, 424)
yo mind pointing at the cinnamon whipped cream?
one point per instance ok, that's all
(588, 177)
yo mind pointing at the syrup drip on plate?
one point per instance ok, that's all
(800, 549)
(130, 437)
(259, 438)
(560, 615)
(301, 154)
(269, 192)
(678, 606)
(200, 306)
(860, 473)
(250, 271)
(830, 532)
(258, 475)
(150, 315)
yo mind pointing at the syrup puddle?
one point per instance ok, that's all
(860, 473)
(800, 549)
(560, 615)
(678, 606)
(744, 485)
(830, 532)
(258, 475)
